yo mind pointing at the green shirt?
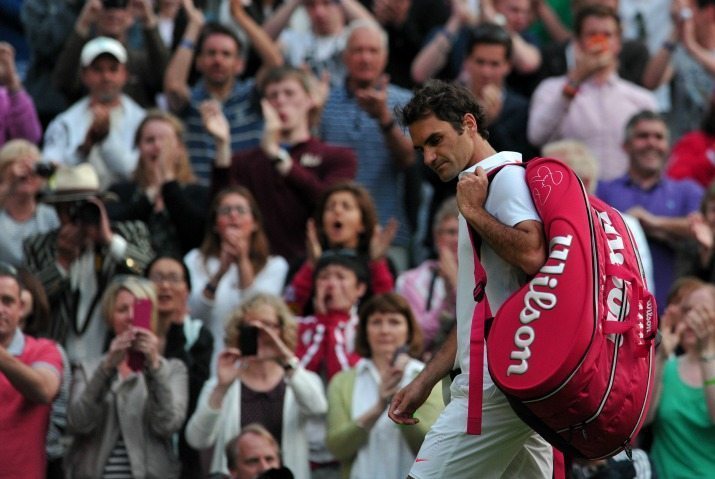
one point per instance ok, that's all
(683, 435)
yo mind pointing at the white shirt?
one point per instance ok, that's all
(509, 201)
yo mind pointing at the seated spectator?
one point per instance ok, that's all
(577, 155)
(344, 219)
(254, 453)
(233, 261)
(186, 339)
(320, 47)
(430, 288)
(76, 261)
(100, 128)
(683, 404)
(290, 170)
(270, 387)
(220, 58)
(686, 61)
(126, 406)
(488, 63)
(661, 205)
(693, 155)
(163, 192)
(359, 432)
(18, 117)
(21, 216)
(30, 377)
(571, 106)
(559, 57)
(144, 66)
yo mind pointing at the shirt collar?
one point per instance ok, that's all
(17, 345)
(491, 162)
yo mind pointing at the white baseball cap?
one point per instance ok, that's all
(101, 45)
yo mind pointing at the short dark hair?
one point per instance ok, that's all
(490, 34)
(184, 268)
(214, 28)
(594, 10)
(390, 302)
(446, 101)
(643, 115)
(346, 258)
(9, 271)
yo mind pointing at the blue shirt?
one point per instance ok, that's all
(242, 110)
(671, 198)
(344, 123)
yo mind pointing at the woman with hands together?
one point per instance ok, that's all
(683, 404)
(233, 261)
(126, 406)
(269, 387)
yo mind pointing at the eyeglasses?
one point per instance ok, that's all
(228, 209)
(171, 278)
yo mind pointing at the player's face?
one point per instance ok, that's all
(446, 151)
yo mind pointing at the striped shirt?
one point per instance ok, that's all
(242, 110)
(118, 465)
(344, 123)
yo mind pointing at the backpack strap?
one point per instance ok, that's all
(482, 313)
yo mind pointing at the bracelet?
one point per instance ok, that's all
(186, 43)
(669, 46)
(707, 359)
(449, 36)
(388, 126)
(709, 382)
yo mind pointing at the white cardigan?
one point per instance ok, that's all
(305, 396)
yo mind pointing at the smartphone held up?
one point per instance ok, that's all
(142, 319)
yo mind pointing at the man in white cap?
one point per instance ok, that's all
(76, 261)
(99, 128)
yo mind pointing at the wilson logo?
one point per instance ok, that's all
(538, 299)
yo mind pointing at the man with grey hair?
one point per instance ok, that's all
(254, 452)
(359, 114)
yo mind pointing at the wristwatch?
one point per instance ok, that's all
(292, 364)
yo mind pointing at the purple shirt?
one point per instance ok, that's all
(18, 117)
(672, 198)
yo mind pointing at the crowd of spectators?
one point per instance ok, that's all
(220, 255)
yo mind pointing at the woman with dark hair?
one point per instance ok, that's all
(164, 193)
(345, 219)
(233, 261)
(185, 338)
(693, 156)
(388, 338)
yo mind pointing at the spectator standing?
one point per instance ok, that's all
(290, 170)
(163, 192)
(270, 387)
(76, 261)
(30, 377)
(21, 216)
(358, 429)
(431, 288)
(220, 58)
(233, 261)
(358, 114)
(144, 67)
(574, 106)
(99, 128)
(186, 339)
(18, 117)
(123, 413)
(660, 204)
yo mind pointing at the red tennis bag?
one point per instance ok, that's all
(573, 349)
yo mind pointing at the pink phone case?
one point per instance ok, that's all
(142, 319)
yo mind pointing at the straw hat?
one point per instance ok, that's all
(74, 183)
